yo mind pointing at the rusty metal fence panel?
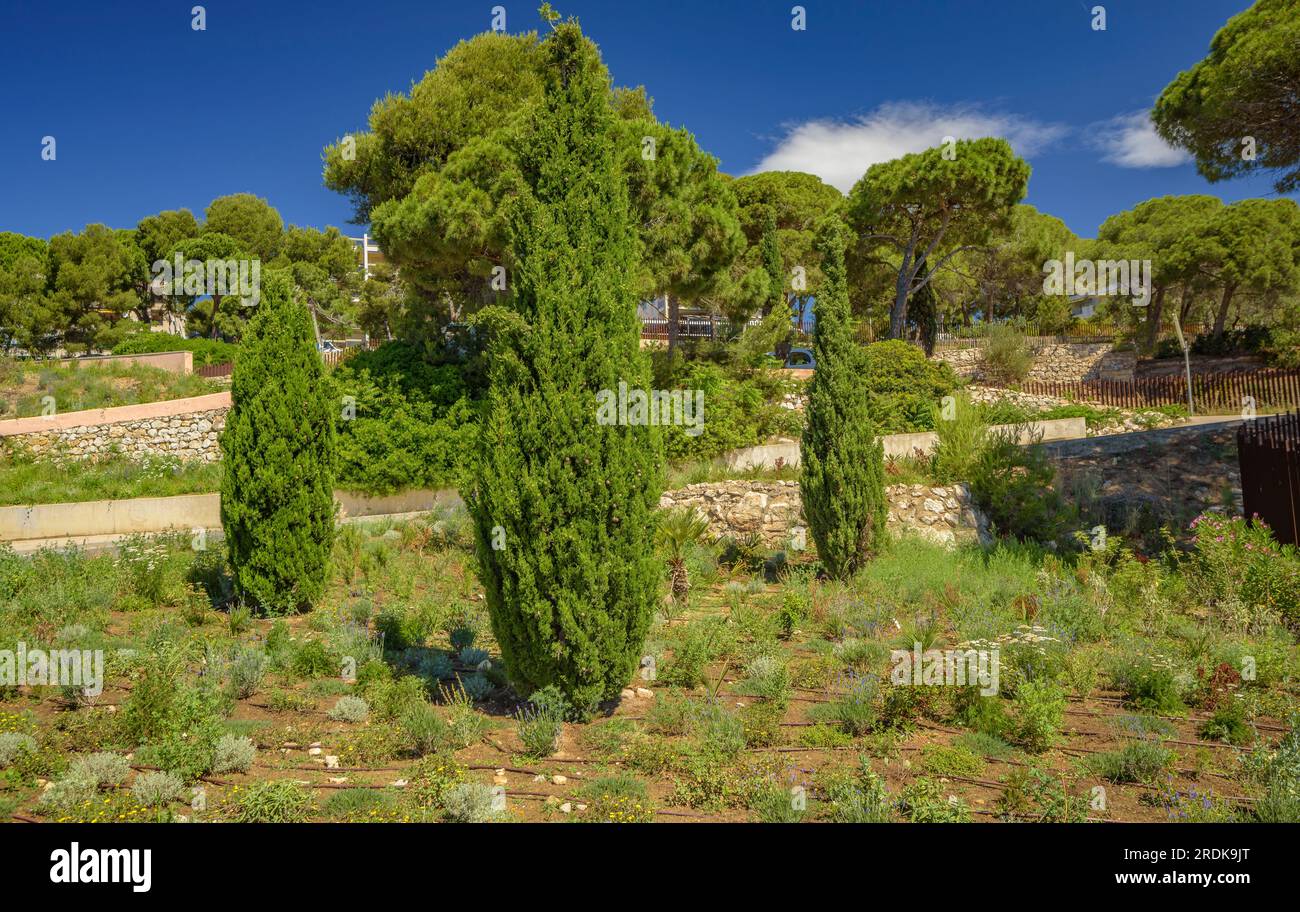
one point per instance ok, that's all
(1223, 393)
(1268, 451)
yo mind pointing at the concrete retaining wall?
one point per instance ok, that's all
(357, 505)
(111, 517)
(180, 362)
(786, 453)
(144, 515)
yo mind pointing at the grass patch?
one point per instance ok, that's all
(24, 480)
(26, 388)
(1139, 760)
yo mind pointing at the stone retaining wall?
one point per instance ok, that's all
(191, 437)
(1123, 421)
(786, 453)
(1063, 362)
(774, 510)
(990, 395)
(186, 429)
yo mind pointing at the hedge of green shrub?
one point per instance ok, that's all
(409, 423)
(741, 408)
(412, 420)
(206, 351)
(903, 387)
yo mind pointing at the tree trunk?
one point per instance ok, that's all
(1221, 318)
(681, 581)
(1187, 362)
(1153, 320)
(902, 288)
(898, 313)
(673, 309)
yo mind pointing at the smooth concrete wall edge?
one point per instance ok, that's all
(167, 408)
(182, 513)
(110, 517)
(356, 505)
(898, 445)
(176, 362)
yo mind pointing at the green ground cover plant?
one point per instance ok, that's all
(181, 677)
(30, 388)
(206, 352)
(28, 480)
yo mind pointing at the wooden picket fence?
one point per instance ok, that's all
(1228, 392)
(1268, 451)
(688, 328)
(215, 370)
(330, 359)
(335, 358)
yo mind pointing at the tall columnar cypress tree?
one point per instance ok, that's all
(562, 504)
(277, 491)
(776, 323)
(843, 473)
(922, 312)
(770, 247)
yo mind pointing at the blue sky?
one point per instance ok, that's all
(149, 114)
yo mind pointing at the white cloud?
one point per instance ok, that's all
(1131, 141)
(839, 152)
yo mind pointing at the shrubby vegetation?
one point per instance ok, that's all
(1158, 637)
(1006, 358)
(1237, 567)
(448, 651)
(903, 386)
(414, 424)
(206, 351)
(30, 480)
(24, 387)
(743, 406)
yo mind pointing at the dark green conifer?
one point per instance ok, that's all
(277, 489)
(563, 505)
(843, 476)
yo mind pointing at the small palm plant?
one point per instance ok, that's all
(678, 530)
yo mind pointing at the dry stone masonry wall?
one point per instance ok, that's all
(189, 437)
(1122, 421)
(991, 395)
(1061, 363)
(774, 511)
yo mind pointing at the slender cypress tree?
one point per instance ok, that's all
(563, 503)
(922, 312)
(772, 334)
(770, 247)
(777, 319)
(277, 490)
(843, 473)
